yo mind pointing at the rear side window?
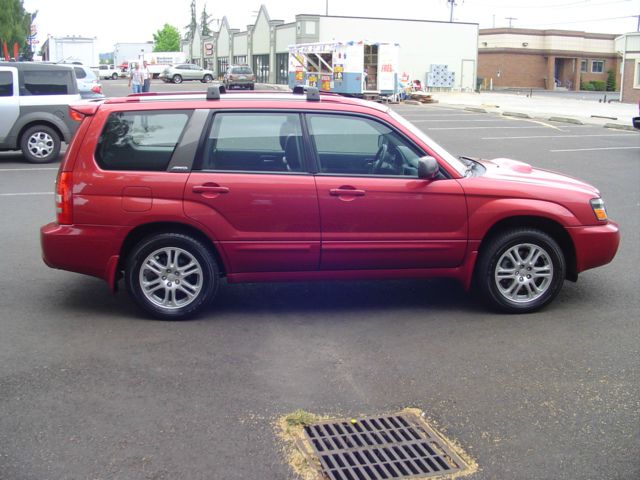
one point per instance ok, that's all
(254, 142)
(80, 73)
(140, 140)
(46, 82)
(6, 84)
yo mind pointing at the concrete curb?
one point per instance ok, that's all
(412, 102)
(575, 121)
(618, 126)
(516, 114)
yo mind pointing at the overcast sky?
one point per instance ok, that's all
(113, 21)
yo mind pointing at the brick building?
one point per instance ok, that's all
(628, 47)
(518, 57)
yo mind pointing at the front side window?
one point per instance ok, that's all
(140, 140)
(6, 84)
(254, 142)
(597, 66)
(349, 145)
(46, 82)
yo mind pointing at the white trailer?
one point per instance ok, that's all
(71, 49)
(158, 61)
(357, 68)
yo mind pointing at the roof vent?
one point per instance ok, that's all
(213, 93)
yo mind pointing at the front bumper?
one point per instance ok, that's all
(595, 245)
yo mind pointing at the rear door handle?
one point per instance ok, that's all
(337, 192)
(209, 189)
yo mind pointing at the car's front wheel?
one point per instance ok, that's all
(114, 76)
(172, 276)
(177, 79)
(40, 144)
(520, 270)
(207, 79)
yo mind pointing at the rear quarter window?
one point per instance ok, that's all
(140, 140)
(47, 82)
(6, 84)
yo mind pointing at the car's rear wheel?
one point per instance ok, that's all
(40, 144)
(520, 270)
(114, 76)
(177, 79)
(172, 276)
(251, 87)
(207, 79)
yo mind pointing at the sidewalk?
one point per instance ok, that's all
(543, 107)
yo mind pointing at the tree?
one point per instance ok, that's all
(611, 81)
(192, 28)
(14, 23)
(205, 20)
(166, 39)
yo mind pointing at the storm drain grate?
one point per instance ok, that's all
(385, 447)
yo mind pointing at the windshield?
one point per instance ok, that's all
(446, 156)
(241, 70)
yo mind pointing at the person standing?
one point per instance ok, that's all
(136, 79)
(146, 77)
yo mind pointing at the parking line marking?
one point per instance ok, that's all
(478, 128)
(458, 120)
(26, 169)
(592, 149)
(563, 136)
(25, 194)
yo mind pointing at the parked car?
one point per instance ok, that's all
(239, 76)
(111, 72)
(174, 192)
(88, 84)
(186, 71)
(34, 108)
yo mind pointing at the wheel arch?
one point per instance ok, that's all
(552, 228)
(143, 231)
(44, 122)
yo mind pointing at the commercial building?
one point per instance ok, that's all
(550, 59)
(264, 45)
(628, 47)
(71, 49)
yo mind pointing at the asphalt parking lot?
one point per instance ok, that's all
(90, 389)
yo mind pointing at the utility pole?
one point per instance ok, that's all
(510, 20)
(326, 8)
(453, 3)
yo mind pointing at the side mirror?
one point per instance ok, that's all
(427, 168)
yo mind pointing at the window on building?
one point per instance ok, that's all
(254, 142)
(583, 65)
(261, 68)
(636, 76)
(282, 68)
(597, 66)
(240, 59)
(223, 63)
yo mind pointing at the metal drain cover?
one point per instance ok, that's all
(385, 447)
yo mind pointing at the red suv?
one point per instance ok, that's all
(173, 192)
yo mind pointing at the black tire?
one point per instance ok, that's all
(251, 87)
(520, 270)
(177, 79)
(114, 76)
(40, 144)
(165, 297)
(207, 79)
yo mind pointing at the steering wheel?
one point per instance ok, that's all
(380, 158)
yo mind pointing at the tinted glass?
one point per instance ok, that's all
(358, 146)
(80, 73)
(46, 82)
(256, 142)
(6, 84)
(140, 140)
(242, 70)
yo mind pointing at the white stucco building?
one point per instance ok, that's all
(264, 45)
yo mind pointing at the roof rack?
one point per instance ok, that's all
(313, 94)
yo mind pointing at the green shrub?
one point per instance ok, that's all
(611, 81)
(587, 86)
(598, 85)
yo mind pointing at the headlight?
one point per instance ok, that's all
(597, 204)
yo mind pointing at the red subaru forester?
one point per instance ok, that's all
(173, 192)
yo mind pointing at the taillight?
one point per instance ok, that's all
(97, 88)
(64, 198)
(75, 115)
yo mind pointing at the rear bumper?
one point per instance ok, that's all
(595, 245)
(91, 250)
